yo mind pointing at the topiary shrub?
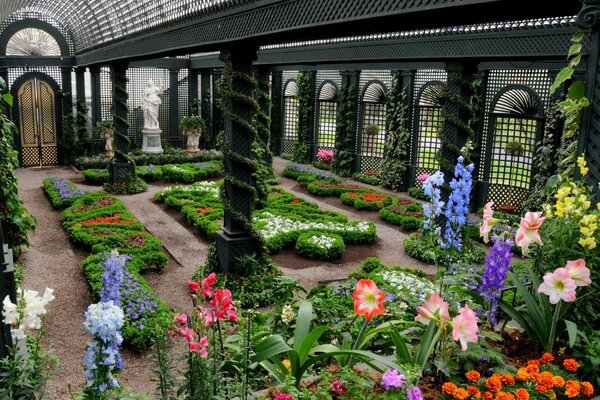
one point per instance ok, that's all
(405, 213)
(320, 247)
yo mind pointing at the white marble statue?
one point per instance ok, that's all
(108, 136)
(193, 139)
(150, 104)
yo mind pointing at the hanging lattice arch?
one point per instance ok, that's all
(516, 122)
(371, 140)
(327, 106)
(290, 115)
(428, 122)
(13, 28)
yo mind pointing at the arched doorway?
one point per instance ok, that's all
(36, 113)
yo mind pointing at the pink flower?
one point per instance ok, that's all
(579, 272)
(221, 302)
(336, 386)
(434, 309)
(194, 286)
(186, 333)
(529, 230)
(488, 221)
(180, 319)
(207, 285)
(423, 177)
(283, 396)
(558, 285)
(368, 299)
(465, 327)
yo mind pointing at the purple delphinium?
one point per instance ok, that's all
(414, 393)
(392, 379)
(65, 189)
(112, 277)
(457, 212)
(311, 171)
(431, 188)
(497, 265)
(138, 303)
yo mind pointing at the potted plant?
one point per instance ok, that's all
(192, 127)
(514, 148)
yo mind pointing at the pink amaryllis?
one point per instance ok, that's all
(529, 230)
(434, 309)
(488, 221)
(558, 285)
(465, 327)
(579, 272)
(368, 299)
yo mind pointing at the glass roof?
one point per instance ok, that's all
(32, 42)
(94, 22)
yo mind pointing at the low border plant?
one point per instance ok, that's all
(328, 247)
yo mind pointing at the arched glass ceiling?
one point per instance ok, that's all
(92, 23)
(32, 42)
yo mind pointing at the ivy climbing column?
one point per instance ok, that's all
(121, 168)
(277, 107)
(206, 108)
(237, 238)
(345, 160)
(96, 103)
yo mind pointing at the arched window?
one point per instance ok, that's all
(32, 42)
(372, 131)
(428, 124)
(328, 104)
(516, 121)
(290, 116)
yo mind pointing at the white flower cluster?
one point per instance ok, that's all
(176, 168)
(407, 285)
(323, 242)
(287, 314)
(275, 224)
(27, 312)
(204, 186)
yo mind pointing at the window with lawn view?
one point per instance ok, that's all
(373, 126)
(290, 116)
(328, 102)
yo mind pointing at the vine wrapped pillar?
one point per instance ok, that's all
(80, 84)
(480, 186)
(96, 102)
(236, 239)
(193, 92)
(276, 111)
(121, 169)
(350, 81)
(407, 82)
(174, 135)
(217, 117)
(263, 124)
(206, 108)
(589, 136)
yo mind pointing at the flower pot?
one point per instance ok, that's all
(507, 208)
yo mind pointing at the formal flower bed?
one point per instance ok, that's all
(304, 173)
(170, 156)
(61, 192)
(371, 201)
(326, 188)
(320, 247)
(405, 213)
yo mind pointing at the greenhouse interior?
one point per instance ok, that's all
(299, 199)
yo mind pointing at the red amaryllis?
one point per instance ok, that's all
(368, 299)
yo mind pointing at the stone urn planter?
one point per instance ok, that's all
(192, 128)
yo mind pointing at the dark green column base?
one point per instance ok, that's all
(231, 246)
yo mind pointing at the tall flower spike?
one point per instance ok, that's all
(368, 299)
(529, 230)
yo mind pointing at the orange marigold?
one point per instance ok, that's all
(570, 365)
(572, 389)
(522, 394)
(449, 388)
(504, 396)
(522, 375)
(461, 394)
(541, 388)
(546, 358)
(532, 368)
(473, 391)
(587, 388)
(533, 362)
(508, 379)
(558, 381)
(473, 376)
(494, 383)
(488, 396)
(545, 378)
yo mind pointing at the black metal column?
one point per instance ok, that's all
(7, 288)
(80, 83)
(480, 182)
(235, 240)
(352, 78)
(174, 135)
(67, 89)
(262, 76)
(205, 110)
(217, 116)
(121, 168)
(193, 97)
(310, 118)
(589, 136)
(276, 110)
(407, 77)
(96, 99)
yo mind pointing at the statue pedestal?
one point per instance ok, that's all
(151, 141)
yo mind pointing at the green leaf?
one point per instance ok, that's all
(270, 347)
(563, 76)
(578, 37)
(576, 90)
(575, 61)
(304, 348)
(572, 332)
(305, 316)
(574, 49)
(8, 98)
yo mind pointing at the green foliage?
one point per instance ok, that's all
(328, 188)
(131, 184)
(417, 193)
(589, 355)
(189, 173)
(404, 213)
(423, 248)
(320, 247)
(343, 161)
(95, 176)
(192, 123)
(393, 168)
(76, 140)
(368, 179)
(170, 156)
(305, 112)
(17, 222)
(321, 165)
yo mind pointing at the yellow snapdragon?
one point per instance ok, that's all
(582, 165)
(587, 227)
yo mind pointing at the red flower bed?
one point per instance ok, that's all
(113, 219)
(204, 210)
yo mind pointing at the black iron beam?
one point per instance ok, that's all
(23, 61)
(271, 21)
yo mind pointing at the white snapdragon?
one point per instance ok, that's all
(27, 313)
(204, 186)
(323, 242)
(275, 224)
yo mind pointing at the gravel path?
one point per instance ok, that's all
(52, 261)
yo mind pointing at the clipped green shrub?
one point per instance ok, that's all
(405, 213)
(417, 193)
(325, 188)
(191, 172)
(95, 176)
(327, 247)
(368, 179)
(61, 192)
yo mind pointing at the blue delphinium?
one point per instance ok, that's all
(312, 171)
(103, 321)
(65, 189)
(112, 277)
(457, 212)
(431, 210)
(138, 303)
(497, 265)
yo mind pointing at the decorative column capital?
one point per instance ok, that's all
(589, 15)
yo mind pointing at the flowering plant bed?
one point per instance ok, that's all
(191, 172)
(95, 176)
(405, 213)
(61, 192)
(305, 173)
(372, 201)
(324, 188)
(149, 173)
(320, 247)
